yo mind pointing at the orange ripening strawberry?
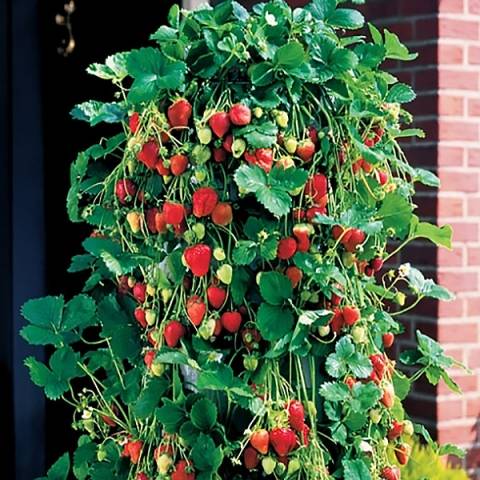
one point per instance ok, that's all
(183, 471)
(305, 150)
(204, 201)
(220, 124)
(178, 164)
(351, 315)
(403, 452)
(179, 113)
(388, 339)
(260, 441)
(388, 397)
(161, 168)
(134, 450)
(286, 248)
(295, 275)
(222, 214)
(391, 473)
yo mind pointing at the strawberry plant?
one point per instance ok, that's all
(237, 314)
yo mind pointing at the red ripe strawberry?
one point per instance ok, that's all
(216, 296)
(250, 157)
(355, 238)
(313, 134)
(218, 328)
(125, 190)
(357, 166)
(179, 113)
(134, 450)
(403, 452)
(250, 458)
(240, 114)
(283, 440)
(227, 143)
(335, 299)
(173, 213)
(377, 264)
(396, 430)
(160, 223)
(337, 321)
(219, 155)
(251, 338)
(264, 158)
(148, 155)
(350, 382)
(378, 363)
(204, 201)
(197, 258)
(302, 234)
(178, 164)
(174, 331)
(220, 124)
(378, 133)
(134, 122)
(142, 476)
(123, 287)
(183, 471)
(295, 275)
(196, 310)
(305, 150)
(140, 292)
(391, 473)
(312, 212)
(296, 415)
(149, 358)
(260, 441)
(222, 214)
(109, 421)
(382, 177)
(231, 321)
(316, 189)
(161, 168)
(150, 216)
(369, 142)
(351, 315)
(139, 314)
(337, 232)
(367, 167)
(305, 435)
(388, 339)
(286, 248)
(388, 397)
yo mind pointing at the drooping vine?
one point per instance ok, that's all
(237, 318)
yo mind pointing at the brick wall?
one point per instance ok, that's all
(446, 33)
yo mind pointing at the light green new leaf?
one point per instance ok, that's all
(401, 93)
(250, 178)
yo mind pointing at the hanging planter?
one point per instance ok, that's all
(237, 320)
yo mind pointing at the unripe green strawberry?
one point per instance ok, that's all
(311, 409)
(258, 277)
(199, 230)
(101, 454)
(408, 428)
(238, 147)
(201, 154)
(131, 281)
(290, 144)
(151, 290)
(400, 298)
(157, 369)
(293, 466)
(200, 174)
(150, 317)
(257, 112)
(324, 330)
(280, 469)
(164, 463)
(250, 362)
(225, 274)
(89, 425)
(359, 335)
(204, 135)
(219, 254)
(207, 329)
(166, 294)
(375, 415)
(268, 465)
(348, 259)
(189, 236)
(282, 119)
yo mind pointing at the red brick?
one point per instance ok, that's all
(473, 358)
(450, 156)
(474, 55)
(459, 281)
(454, 308)
(449, 54)
(467, 382)
(473, 256)
(473, 206)
(450, 258)
(474, 157)
(458, 181)
(458, 79)
(474, 6)
(459, 434)
(450, 105)
(457, 130)
(473, 307)
(450, 207)
(464, 29)
(450, 6)
(465, 232)
(474, 107)
(449, 409)
(458, 333)
(473, 407)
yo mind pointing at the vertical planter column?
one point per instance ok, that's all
(446, 76)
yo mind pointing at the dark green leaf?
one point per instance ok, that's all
(275, 287)
(273, 321)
